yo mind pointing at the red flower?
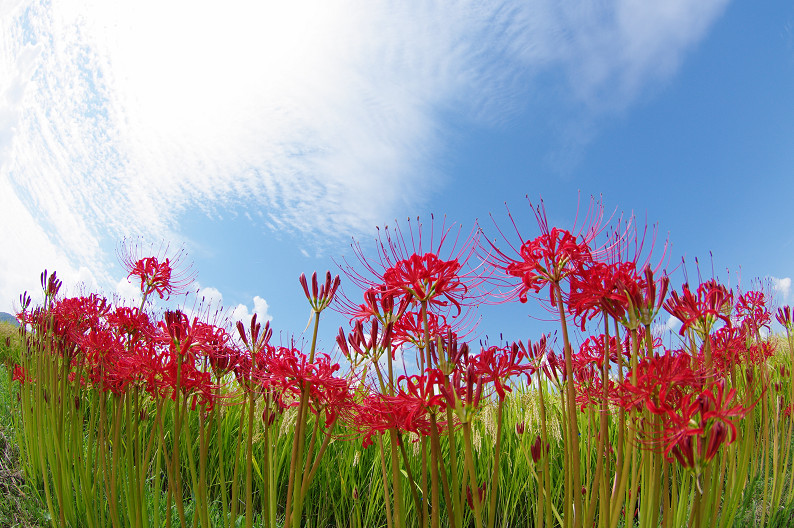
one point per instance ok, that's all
(596, 288)
(661, 382)
(321, 296)
(21, 375)
(410, 329)
(408, 410)
(420, 267)
(783, 317)
(549, 258)
(706, 416)
(156, 272)
(700, 312)
(496, 365)
(752, 312)
(379, 303)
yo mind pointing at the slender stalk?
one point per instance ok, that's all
(496, 465)
(573, 426)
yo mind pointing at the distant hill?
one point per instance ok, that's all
(8, 318)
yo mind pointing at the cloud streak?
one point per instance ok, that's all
(121, 120)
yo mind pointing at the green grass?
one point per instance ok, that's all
(346, 466)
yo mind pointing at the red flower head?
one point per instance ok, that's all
(379, 303)
(752, 312)
(157, 272)
(783, 317)
(550, 257)
(321, 296)
(599, 287)
(700, 312)
(704, 420)
(365, 345)
(496, 365)
(432, 270)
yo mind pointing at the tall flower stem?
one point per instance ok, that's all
(249, 458)
(573, 425)
(294, 489)
(494, 495)
(235, 471)
(472, 472)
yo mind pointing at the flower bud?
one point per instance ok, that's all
(535, 449)
(520, 428)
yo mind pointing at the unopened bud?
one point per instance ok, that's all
(520, 428)
(355, 493)
(268, 417)
(535, 449)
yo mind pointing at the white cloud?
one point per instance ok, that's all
(782, 286)
(117, 119)
(242, 312)
(128, 293)
(671, 325)
(210, 296)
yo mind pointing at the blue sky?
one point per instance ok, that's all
(264, 139)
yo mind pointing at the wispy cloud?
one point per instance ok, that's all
(120, 119)
(782, 287)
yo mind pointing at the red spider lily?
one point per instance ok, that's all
(752, 312)
(131, 322)
(157, 272)
(496, 365)
(546, 259)
(379, 413)
(700, 312)
(536, 449)
(645, 297)
(449, 354)
(783, 317)
(549, 258)
(728, 348)
(480, 495)
(463, 390)
(187, 339)
(587, 364)
(430, 269)
(595, 289)
(113, 364)
(221, 355)
(411, 329)
(51, 285)
(320, 296)
(426, 278)
(379, 303)
(592, 350)
(257, 351)
(424, 388)
(77, 315)
(366, 345)
(661, 382)
(707, 417)
(288, 371)
(21, 375)
(407, 411)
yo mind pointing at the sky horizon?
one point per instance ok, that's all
(264, 139)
